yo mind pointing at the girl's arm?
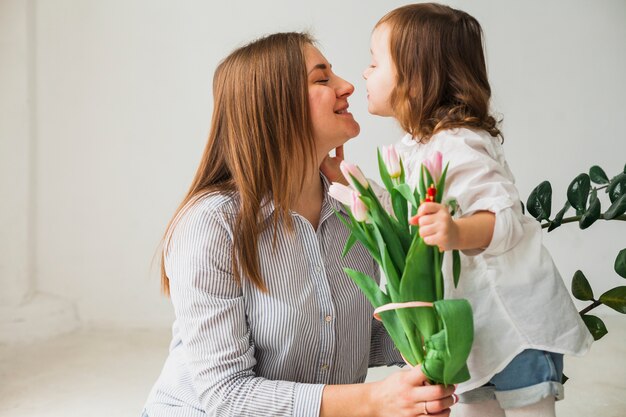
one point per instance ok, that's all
(438, 228)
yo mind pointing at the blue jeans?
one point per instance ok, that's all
(530, 377)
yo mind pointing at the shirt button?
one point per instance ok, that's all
(328, 319)
(324, 367)
(318, 269)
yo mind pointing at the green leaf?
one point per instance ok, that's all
(559, 217)
(617, 208)
(388, 231)
(407, 193)
(349, 243)
(417, 284)
(580, 287)
(395, 328)
(441, 185)
(617, 187)
(456, 267)
(578, 191)
(400, 208)
(448, 350)
(597, 175)
(361, 235)
(384, 174)
(593, 213)
(615, 298)
(620, 263)
(422, 181)
(595, 326)
(539, 203)
(369, 287)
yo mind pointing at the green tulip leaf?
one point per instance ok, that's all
(384, 173)
(617, 187)
(617, 208)
(620, 263)
(615, 298)
(369, 287)
(580, 287)
(349, 243)
(407, 193)
(448, 350)
(417, 284)
(593, 212)
(400, 208)
(456, 267)
(578, 191)
(597, 175)
(539, 202)
(595, 326)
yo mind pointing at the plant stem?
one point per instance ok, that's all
(590, 307)
(577, 218)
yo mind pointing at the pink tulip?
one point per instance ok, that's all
(433, 165)
(348, 169)
(341, 192)
(359, 209)
(392, 161)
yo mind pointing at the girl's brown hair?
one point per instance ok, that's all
(441, 72)
(261, 133)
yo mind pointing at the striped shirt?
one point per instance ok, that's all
(237, 351)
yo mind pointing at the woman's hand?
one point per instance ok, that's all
(406, 393)
(330, 167)
(437, 227)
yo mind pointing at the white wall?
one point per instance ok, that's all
(123, 108)
(15, 164)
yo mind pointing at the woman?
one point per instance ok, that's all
(266, 323)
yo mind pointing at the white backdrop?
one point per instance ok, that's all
(120, 104)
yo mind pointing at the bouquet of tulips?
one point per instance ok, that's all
(425, 328)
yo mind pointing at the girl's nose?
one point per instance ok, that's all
(366, 73)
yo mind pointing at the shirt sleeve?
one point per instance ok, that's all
(383, 351)
(480, 181)
(209, 307)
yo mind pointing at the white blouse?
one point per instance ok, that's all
(517, 295)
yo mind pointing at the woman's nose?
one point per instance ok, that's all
(344, 88)
(366, 73)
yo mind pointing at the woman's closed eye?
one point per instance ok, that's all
(322, 81)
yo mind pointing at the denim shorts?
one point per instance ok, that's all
(530, 377)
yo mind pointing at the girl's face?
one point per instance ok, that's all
(333, 125)
(380, 76)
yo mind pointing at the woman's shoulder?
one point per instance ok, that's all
(209, 210)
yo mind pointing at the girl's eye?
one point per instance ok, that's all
(323, 81)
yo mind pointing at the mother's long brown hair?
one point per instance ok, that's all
(260, 142)
(441, 72)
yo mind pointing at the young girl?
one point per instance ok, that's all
(428, 72)
(267, 324)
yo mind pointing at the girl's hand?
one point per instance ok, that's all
(437, 227)
(406, 393)
(330, 167)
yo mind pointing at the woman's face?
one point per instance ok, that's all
(333, 125)
(380, 76)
